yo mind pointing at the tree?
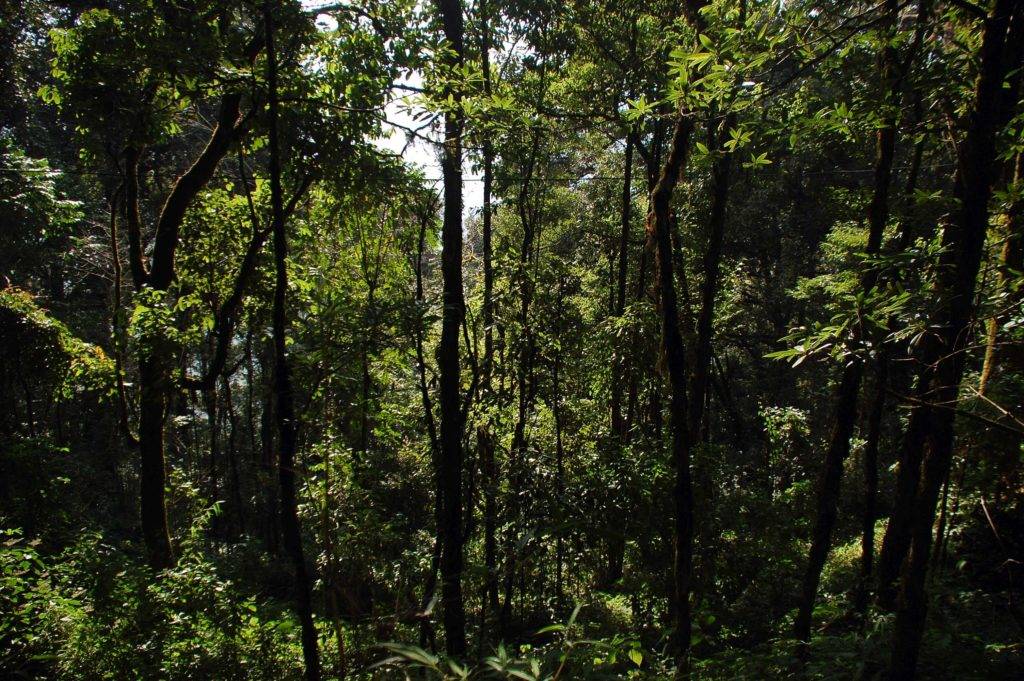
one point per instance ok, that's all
(963, 238)
(449, 474)
(284, 406)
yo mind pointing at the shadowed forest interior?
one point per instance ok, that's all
(536, 340)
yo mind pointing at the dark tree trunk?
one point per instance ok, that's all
(987, 118)
(963, 241)
(450, 473)
(659, 224)
(236, 480)
(870, 467)
(485, 439)
(619, 360)
(709, 290)
(556, 408)
(154, 378)
(619, 365)
(271, 513)
(155, 383)
(117, 339)
(426, 629)
(526, 386)
(212, 412)
(831, 473)
(283, 392)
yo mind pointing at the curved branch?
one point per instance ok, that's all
(187, 187)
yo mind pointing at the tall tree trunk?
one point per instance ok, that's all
(619, 360)
(485, 438)
(984, 123)
(882, 375)
(283, 392)
(659, 224)
(556, 408)
(709, 290)
(831, 473)
(426, 630)
(450, 473)
(155, 360)
(269, 486)
(154, 384)
(115, 322)
(963, 241)
(526, 386)
(212, 412)
(700, 368)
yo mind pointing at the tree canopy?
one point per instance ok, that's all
(520, 340)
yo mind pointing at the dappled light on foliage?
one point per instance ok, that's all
(514, 340)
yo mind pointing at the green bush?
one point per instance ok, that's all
(95, 612)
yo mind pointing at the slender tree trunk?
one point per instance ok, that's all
(525, 383)
(940, 527)
(882, 376)
(450, 474)
(1011, 259)
(271, 507)
(619, 365)
(659, 224)
(963, 240)
(236, 480)
(831, 473)
(426, 630)
(709, 290)
(556, 408)
(870, 467)
(942, 541)
(485, 438)
(700, 368)
(283, 391)
(619, 360)
(364, 405)
(212, 413)
(115, 323)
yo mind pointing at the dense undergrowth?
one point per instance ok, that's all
(95, 611)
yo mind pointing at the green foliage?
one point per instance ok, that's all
(566, 656)
(38, 218)
(95, 612)
(45, 353)
(562, 501)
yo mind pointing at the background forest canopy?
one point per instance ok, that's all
(717, 374)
